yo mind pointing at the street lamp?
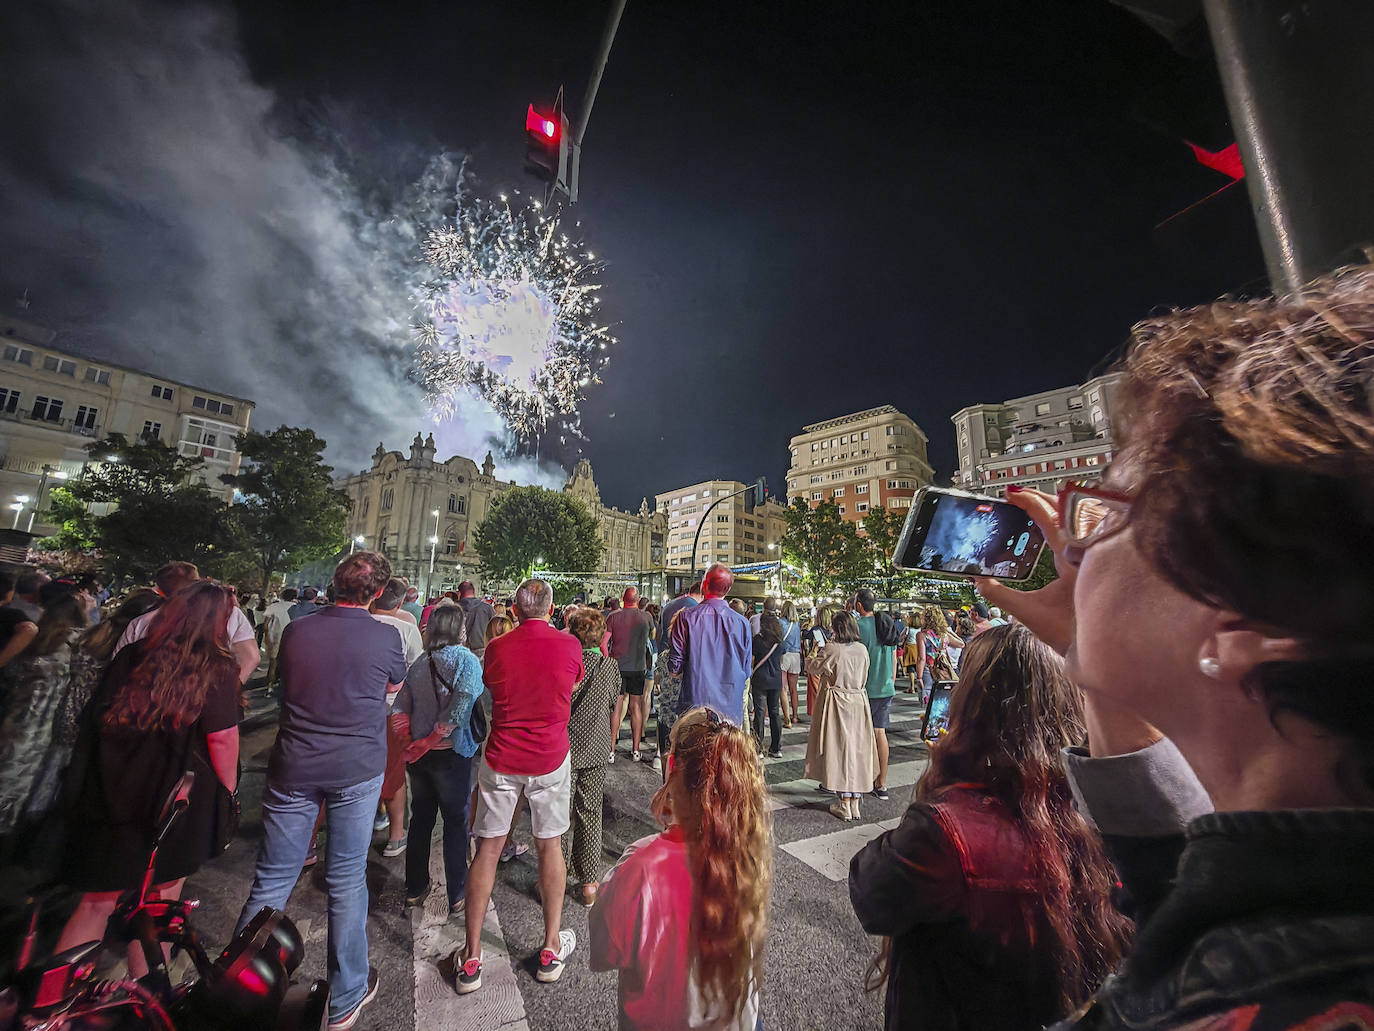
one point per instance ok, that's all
(353, 544)
(433, 545)
(18, 507)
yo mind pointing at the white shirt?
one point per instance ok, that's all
(411, 643)
(238, 626)
(274, 619)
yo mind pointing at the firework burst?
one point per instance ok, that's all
(508, 311)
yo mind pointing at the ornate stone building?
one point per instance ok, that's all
(414, 508)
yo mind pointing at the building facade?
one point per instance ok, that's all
(877, 457)
(1039, 440)
(53, 403)
(731, 535)
(423, 514)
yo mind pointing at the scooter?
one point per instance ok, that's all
(248, 986)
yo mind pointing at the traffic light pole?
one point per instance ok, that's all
(1299, 83)
(594, 83)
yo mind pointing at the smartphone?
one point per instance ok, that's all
(937, 712)
(818, 635)
(952, 531)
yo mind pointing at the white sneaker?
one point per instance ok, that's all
(634, 756)
(657, 765)
(551, 963)
(611, 760)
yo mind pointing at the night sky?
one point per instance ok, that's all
(807, 209)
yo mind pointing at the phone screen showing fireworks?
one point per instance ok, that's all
(968, 535)
(937, 712)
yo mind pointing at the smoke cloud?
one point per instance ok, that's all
(160, 216)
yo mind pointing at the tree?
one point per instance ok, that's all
(528, 523)
(288, 509)
(155, 508)
(883, 526)
(825, 545)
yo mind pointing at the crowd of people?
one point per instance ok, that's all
(1152, 807)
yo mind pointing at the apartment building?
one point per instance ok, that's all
(731, 535)
(877, 457)
(1039, 440)
(54, 402)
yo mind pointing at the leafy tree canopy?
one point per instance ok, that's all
(825, 545)
(528, 523)
(288, 509)
(141, 505)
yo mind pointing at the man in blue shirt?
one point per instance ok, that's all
(711, 647)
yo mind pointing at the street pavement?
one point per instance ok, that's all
(817, 952)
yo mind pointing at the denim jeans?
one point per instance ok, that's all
(773, 699)
(288, 819)
(440, 782)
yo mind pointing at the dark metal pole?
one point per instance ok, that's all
(594, 83)
(1299, 84)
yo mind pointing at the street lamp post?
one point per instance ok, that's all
(353, 544)
(433, 546)
(18, 507)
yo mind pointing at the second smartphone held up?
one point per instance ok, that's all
(951, 531)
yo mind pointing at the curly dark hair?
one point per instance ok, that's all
(588, 625)
(1249, 426)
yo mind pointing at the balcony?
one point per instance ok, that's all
(195, 449)
(60, 425)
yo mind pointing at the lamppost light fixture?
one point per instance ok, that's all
(21, 497)
(434, 540)
(58, 474)
(360, 538)
(112, 458)
(435, 512)
(18, 506)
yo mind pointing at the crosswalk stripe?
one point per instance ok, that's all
(829, 854)
(498, 1006)
(792, 793)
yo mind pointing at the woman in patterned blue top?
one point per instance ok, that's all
(440, 691)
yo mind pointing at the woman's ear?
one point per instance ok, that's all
(1237, 645)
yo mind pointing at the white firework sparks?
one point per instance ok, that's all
(509, 313)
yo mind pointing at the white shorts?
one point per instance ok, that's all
(791, 662)
(549, 797)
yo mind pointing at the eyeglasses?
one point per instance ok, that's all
(1090, 513)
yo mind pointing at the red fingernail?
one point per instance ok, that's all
(1014, 489)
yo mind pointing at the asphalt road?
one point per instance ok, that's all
(817, 952)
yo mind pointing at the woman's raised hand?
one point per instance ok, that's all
(1047, 612)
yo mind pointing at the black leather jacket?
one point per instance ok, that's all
(1248, 921)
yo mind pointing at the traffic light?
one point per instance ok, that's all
(547, 145)
(756, 494)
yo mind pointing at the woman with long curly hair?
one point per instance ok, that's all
(169, 703)
(995, 892)
(682, 916)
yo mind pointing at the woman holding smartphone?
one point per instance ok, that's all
(1242, 826)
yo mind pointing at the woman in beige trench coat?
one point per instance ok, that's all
(840, 751)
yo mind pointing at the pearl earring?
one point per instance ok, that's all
(1209, 667)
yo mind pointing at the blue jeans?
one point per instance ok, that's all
(288, 820)
(440, 782)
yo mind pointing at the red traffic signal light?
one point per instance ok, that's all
(541, 125)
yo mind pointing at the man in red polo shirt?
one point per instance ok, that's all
(531, 672)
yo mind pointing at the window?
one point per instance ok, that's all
(722, 518)
(865, 434)
(47, 410)
(367, 501)
(825, 444)
(9, 401)
(815, 447)
(1076, 403)
(61, 366)
(1094, 397)
(817, 495)
(841, 510)
(748, 536)
(1042, 408)
(838, 492)
(388, 497)
(22, 355)
(152, 431)
(451, 545)
(722, 558)
(85, 419)
(794, 452)
(688, 497)
(1090, 460)
(891, 466)
(706, 494)
(817, 479)
(862, 488)
(862, 506)
(209, 404)
(722, 544)
(163, 393)
(99, 376)
(898, 502)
